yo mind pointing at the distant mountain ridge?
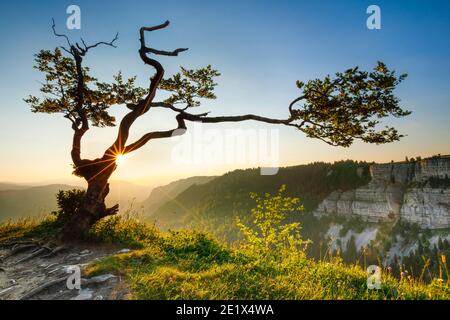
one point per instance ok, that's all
(29, 201)
(11, 186)
(169, 192)
(21, 200)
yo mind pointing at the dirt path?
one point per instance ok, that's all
(41, 271)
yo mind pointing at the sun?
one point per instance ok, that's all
(120, 158)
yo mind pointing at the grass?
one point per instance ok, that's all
(193, 265)
(270, 263)
(28, 228)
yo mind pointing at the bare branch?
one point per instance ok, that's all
(180, 130)
(165, 53)
(61, 35)
(204, 119)
(111, 43)
(165, 105)
(291, 105)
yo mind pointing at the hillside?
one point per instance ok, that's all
(224, 196)
(26, 202)
(163, 194)
(126, 194)
(11, 186)
(396, 213)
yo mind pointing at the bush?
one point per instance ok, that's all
(69, 203)
(271, 240)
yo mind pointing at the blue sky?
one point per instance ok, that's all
(261, 48)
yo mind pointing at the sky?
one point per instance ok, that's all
(260, 47)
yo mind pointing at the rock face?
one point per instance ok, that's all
(416, 192)
(428, 207)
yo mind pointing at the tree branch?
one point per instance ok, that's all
(111, 44)
(76, 146)
(144, 105)
(165, 53)
(291, 105)
(179, 130)
(203, 118)
(60, 35)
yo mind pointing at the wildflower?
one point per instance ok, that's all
(443, 258)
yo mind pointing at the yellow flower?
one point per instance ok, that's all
(443, 258)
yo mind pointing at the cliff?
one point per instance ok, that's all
(415, 191)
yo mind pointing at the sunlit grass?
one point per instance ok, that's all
(194, 265)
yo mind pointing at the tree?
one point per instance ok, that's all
(336, 109)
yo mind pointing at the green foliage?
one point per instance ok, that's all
(124, 229)
(350, 105)
(187, 86)
(269, 239)
(69, 204)
(61, 93)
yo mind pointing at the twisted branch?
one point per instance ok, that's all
(144, 105)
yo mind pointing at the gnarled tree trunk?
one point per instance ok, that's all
(93, 207)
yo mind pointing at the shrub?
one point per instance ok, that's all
(69, 203)
(270, 240)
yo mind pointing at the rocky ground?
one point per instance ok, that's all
(40, 271)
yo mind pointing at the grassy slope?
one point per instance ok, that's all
(193, 265)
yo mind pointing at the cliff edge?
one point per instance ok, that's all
(414, 191)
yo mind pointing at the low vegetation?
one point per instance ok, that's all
(268, 263)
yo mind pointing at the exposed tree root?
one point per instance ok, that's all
(43, 287)
(55, 251)
(12, 243)
(39, 249)
(33, 254)
(18, 249)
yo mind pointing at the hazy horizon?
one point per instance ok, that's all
(76, 181)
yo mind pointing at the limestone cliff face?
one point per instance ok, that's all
(398, 191)
(428, 207)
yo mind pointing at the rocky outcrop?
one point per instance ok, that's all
(428, 207)
(406, 191)
(27, 276)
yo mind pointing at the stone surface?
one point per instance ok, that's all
(19, 280)
(397, 191)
